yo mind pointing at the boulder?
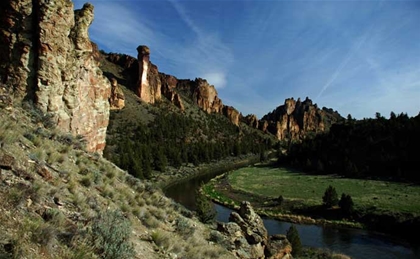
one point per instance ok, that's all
(248, 238)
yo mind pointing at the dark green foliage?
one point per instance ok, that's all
(371, 147)
(111, 233)
(280, 200)
(293, 237)
(174, 139)
(330, 197)
(346, 203)
(204, 208)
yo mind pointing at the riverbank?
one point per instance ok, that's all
(173, 176)
(219, 191)
(294, 208)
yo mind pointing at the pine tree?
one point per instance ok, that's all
(346, 203)
(330, 197)
(204, 208)
(293, 237)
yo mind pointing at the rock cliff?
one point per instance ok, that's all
(148, 85)
(117, 98)
(168, 90)
(205, 96)
(46, 56)
(248, 239)
(232, 114)
(296, 119)
(251, 120)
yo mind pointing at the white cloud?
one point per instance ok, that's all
(217, 79)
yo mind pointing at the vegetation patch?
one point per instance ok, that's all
(291, 196)
(309, 189)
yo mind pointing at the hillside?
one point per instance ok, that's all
(144, 137)
(58, 201)
(59, 198)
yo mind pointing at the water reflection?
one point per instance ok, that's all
(328, 236)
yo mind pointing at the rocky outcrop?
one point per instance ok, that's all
(117, 98)
(263, 125)
(17, 50)
(295, 120)
(168, 90)
(248, 238)
(47, 56)
(251, 120)
(232, 114)
(205, 96)
(278, 247)
(124, 61)
(148, 84)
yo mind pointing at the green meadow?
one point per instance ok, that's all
(309, 189)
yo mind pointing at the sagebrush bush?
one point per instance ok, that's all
(161, 239)
(111, 233)
(184, 227)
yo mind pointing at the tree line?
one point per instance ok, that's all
(377, 147)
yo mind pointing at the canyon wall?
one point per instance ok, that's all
(295, 120)
(48, 58)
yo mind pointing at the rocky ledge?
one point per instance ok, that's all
(248, 238)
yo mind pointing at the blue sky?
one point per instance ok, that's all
(357, 57)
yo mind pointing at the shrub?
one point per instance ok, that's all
(205, 209)
(293, 237)
(330, 197)
(346, 203)
(280, 200)
(184, 227)
(86, 181)
(111, 233)
(161, 239)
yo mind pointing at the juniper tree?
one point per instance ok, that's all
(293, 237)
(330, 197)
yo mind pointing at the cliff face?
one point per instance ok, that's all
(117, 98)
(148, 85)
(47, 57)
(168, 90)
(205, 96)
(17, 47)
(232, 114)
(251, 120)
(295, 119)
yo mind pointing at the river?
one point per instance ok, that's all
(360, 244)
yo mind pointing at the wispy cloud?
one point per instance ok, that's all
(118, 27)
(210, 57)
(344, 62)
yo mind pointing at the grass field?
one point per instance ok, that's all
(293, 185)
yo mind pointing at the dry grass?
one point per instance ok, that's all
(51, 218)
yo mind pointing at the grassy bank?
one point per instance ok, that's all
(377, 203)
(309, 189)
(174, 176)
